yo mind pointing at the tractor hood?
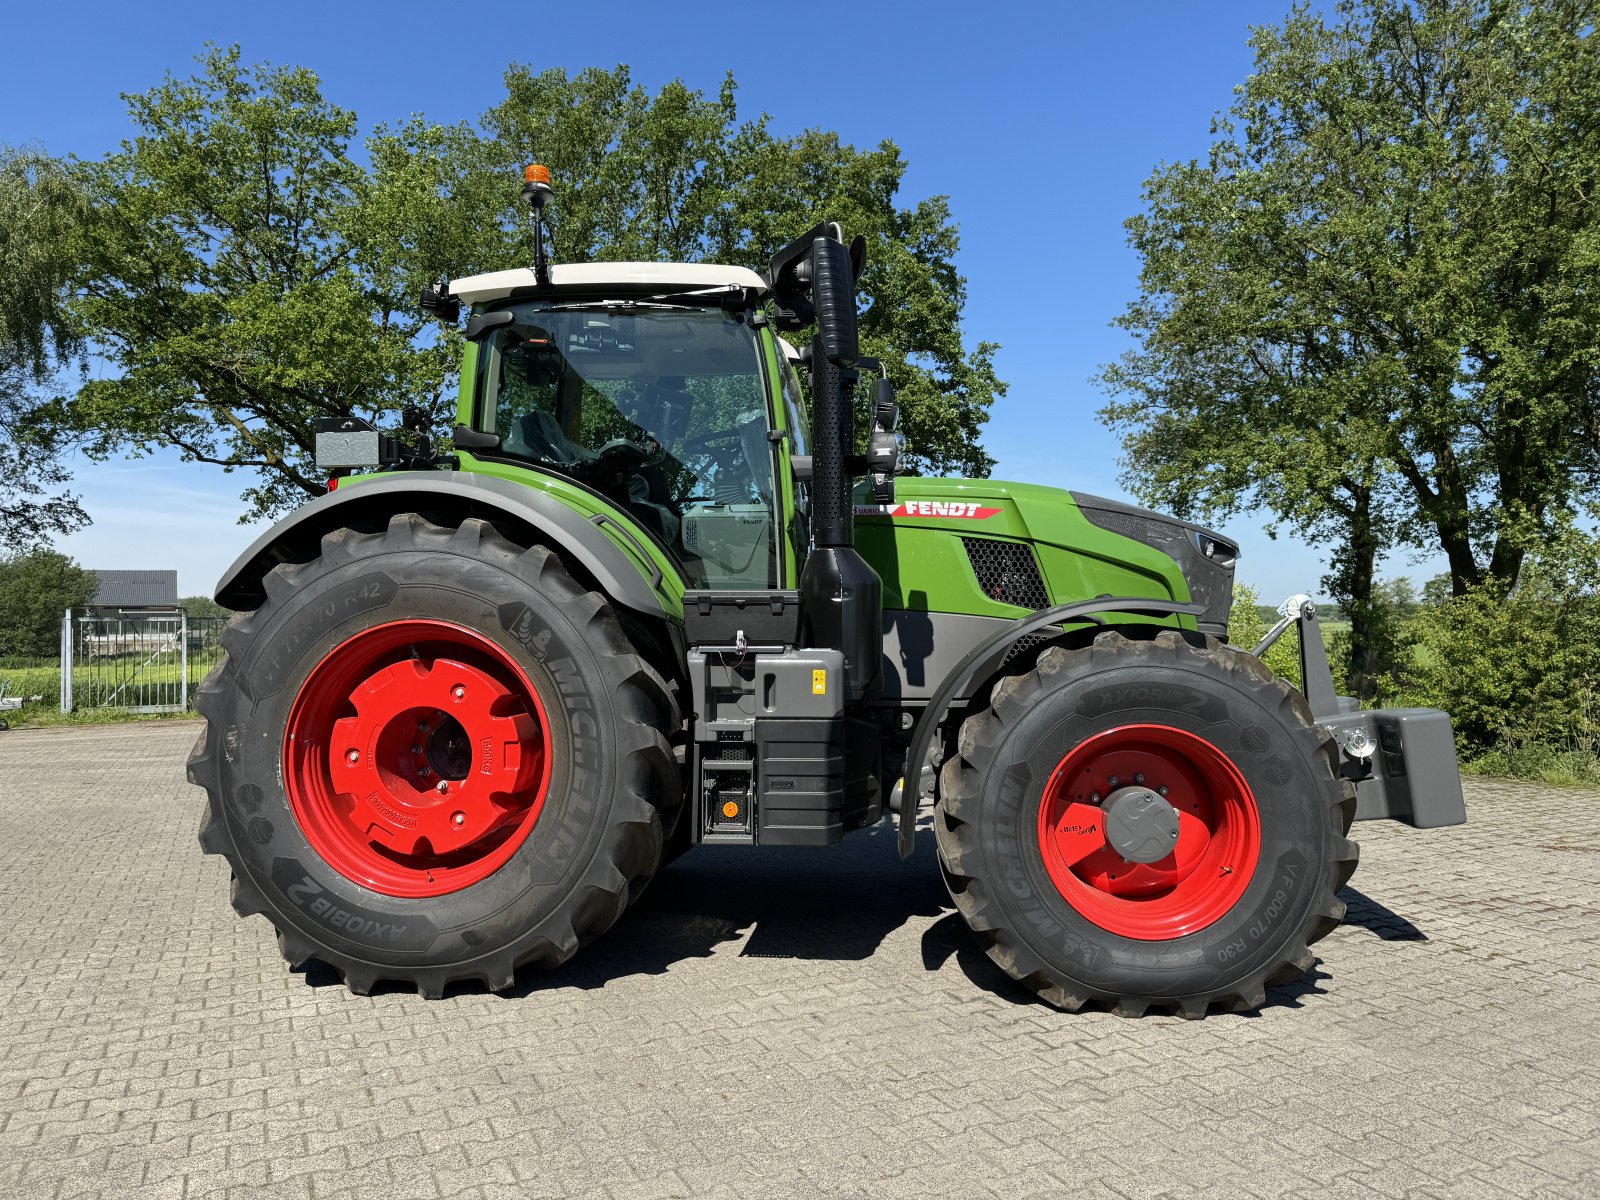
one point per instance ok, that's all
(933, 548)
(1205, 557)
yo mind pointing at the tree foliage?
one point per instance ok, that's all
(203, 606)
(232, 286)
(249, 274)
(1370, 310)
(39, 211)
(35, 590)
(1519, 665)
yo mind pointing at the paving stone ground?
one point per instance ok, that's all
(777, 1024)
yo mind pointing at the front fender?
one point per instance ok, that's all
(985, 657)
(454, 496)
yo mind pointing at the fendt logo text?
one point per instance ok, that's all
(959, 510)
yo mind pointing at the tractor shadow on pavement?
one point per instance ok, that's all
(1366, 913)
(832, 905)
(948, 937)
(835, 905)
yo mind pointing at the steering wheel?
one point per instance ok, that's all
(696, 444)
(628, 454)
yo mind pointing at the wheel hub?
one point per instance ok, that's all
(417, 758)
(1140, 825)
(449, 750)
(1149, 831)
(403, 760)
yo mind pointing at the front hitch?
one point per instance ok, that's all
(1402, 760)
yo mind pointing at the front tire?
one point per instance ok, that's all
(1146, 822)
(431, 755)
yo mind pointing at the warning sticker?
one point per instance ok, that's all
(819, 682)
(949, 510)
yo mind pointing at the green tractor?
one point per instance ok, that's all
(470, 705)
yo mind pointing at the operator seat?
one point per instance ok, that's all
(537, 434)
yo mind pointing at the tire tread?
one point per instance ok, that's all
(631, 845)
(975, 744)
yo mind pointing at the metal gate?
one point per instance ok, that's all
(146, 662)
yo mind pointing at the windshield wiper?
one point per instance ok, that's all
(579, 305)
(729, 291)
(723, 295)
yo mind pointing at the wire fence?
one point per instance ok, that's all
(138, 662)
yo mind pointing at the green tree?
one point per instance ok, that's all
(203, 606)
(1520, 666)
(39, 211)
(35, 590)
(249, 275)
(677, 176)
(235, 287)
(1369, 310)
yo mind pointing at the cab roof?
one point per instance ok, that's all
(622, 277)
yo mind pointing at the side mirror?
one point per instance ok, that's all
(883, 445)
(886, 413)
(833, 292)
(438, 303)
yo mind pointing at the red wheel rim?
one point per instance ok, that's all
(417, 758)
(1213, 857)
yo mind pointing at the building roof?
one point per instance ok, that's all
(136, 589)
(589, 277)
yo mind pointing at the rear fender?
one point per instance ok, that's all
(632, 583)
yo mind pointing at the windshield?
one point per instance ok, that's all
(661, 408)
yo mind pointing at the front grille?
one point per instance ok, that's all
(1007, 572)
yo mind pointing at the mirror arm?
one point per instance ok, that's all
(467, 438)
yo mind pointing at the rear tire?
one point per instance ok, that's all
(1087, 907)
(568, 812)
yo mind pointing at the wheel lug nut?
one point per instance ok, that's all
(1094, 798)
(458, 691)
(1162, 790)
(422, 727)
(353, 757)
(459, 818)
(444, 787)
(1138, 777)
(1113, 781)
(416, 749)
(424, 772)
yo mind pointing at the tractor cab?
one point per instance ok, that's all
(644, 389)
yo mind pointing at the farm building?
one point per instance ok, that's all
(135, 594)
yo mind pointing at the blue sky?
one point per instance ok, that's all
(1039, 121)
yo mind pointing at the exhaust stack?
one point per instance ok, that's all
(841, 596)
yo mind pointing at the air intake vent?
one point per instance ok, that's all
(1007, 572)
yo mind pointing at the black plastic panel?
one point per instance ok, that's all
(766, 618)
(800, 782)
